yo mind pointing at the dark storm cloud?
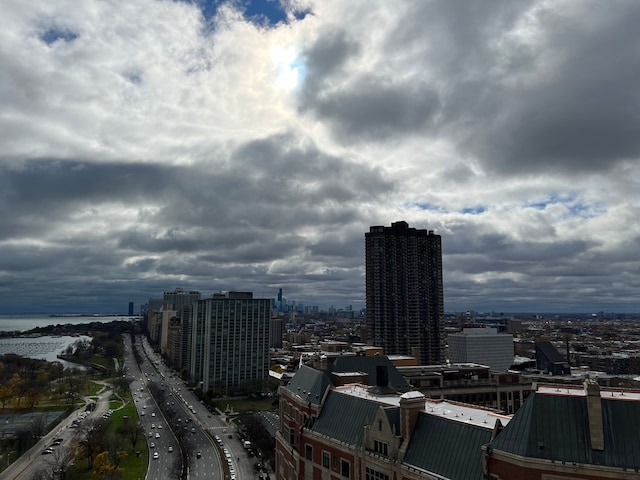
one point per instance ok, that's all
(373, 111)
(570, 106)
(212, 227)
(563, 98)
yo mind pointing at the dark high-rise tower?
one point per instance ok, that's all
(405, 301)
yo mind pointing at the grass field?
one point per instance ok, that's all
(135, 467)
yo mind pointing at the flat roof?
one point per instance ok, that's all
(578, 391)
(463, 413)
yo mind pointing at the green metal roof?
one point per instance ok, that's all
(449, 448)
(309, 384)
(350, 363)
(344, 417)
(556, 427)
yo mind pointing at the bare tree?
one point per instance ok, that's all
(175, 469)
(92, 436)
(59, 462)
(42, 474)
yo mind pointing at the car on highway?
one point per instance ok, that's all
(170, 449)
(155, 455)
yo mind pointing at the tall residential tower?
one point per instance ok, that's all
(230, 342)
(405, 301)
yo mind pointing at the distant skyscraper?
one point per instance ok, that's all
(130, 309)
(405, 301)
(230, 341)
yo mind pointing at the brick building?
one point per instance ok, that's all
(359, 425)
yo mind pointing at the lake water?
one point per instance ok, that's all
(45, 347)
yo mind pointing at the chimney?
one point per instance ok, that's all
(411, 404)
(594, 410)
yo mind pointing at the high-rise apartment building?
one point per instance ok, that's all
(181, 301)
(230, 341)
(405, 301)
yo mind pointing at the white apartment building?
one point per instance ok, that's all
(482, 345)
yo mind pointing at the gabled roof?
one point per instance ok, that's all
(349, 363)
(309, 384)
(343, 417)
(450, 448)
(550, 352)
(556, 427)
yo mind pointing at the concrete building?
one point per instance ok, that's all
(180, 302)
(276, 332)
(470, 383)
(230, 342)
(404, 292)
(174, 343)
(482, 345)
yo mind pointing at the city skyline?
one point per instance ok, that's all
(249, 145)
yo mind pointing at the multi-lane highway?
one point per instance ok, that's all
(162, 443)
(229, 448)
(203, 459)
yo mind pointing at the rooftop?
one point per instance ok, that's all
(579, 391)
(468, 414)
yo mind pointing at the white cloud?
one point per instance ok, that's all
(167, 146)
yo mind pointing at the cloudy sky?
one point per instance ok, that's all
(228, 145)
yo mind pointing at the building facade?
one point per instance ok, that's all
(404, 292)
(482, 345)
(353, 426)
(230, 342)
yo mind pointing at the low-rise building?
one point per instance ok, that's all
(345, 427)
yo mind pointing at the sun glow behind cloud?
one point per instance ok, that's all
(289, 69)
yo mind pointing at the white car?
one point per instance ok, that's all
(170, 449)
(155, 455)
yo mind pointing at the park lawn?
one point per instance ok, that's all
(93, 388)
(251, 404)
(134, 467)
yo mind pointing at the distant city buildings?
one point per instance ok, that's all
(404, 292)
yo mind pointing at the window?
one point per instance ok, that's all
(344, 471)
(292, 437)
(308, 452)
(335, 462)
(325, 459)
(371, 474)
(381, 448)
